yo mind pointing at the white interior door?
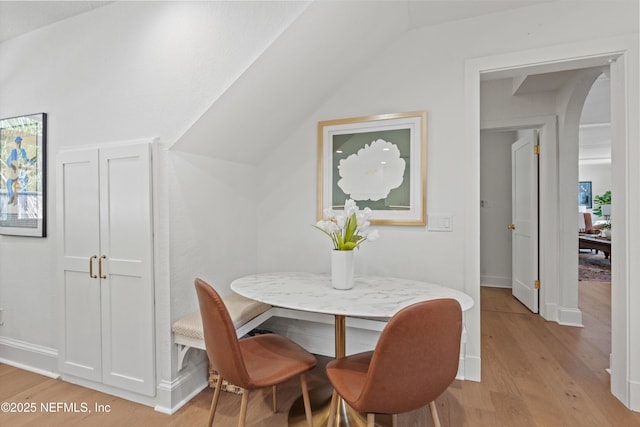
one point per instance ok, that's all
(524, 220)
(79, 246)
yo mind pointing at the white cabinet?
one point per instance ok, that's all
(105, 234)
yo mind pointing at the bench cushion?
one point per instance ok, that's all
(189, 326)
(243, 309)
(240, 309)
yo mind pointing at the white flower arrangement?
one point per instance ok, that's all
(349, 230)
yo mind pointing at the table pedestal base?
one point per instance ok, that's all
(320, 405)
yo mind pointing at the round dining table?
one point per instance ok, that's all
(371, 297)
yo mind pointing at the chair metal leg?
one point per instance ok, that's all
(434, 413)
(305, 398)
(371, 419)
(214, 401)
(274, 393)
(332, 409)
(243, 408)
(394, 420)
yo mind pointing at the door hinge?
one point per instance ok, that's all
(536, 284)
(536, 149)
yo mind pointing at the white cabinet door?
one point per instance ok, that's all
(79, 240)
(105, 221)
(127, 277)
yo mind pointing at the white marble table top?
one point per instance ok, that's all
(370, 296)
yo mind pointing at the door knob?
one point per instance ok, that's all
(511, 226)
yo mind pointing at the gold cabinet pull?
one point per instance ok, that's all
(102, 276)
(93, 276)
(511, 226)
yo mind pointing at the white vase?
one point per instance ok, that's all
(342, 269)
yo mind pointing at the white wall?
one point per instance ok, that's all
(495, 208)
(125, 71)
(419, 72)
(600, 177)
(213, 224)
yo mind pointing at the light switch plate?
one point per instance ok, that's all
(440, 222)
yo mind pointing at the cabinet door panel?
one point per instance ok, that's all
(125, 211)
(127, 291)
(78, 209)
(82, 347)
(104, 209)
(127, 334)
(78, 224)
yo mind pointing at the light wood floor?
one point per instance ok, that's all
(534, 373)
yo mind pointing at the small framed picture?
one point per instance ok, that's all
(23, 175)
(378, 161)
(584, 194)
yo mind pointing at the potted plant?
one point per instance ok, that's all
(603, 209)
(347, 232)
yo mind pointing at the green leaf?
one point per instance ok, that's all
(349, 246)
(324, 231)
(599, 201)
(350, 230)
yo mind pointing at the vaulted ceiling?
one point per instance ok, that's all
(351, 42)
(20, 17)
(228, 121)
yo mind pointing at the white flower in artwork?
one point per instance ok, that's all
(372, 172)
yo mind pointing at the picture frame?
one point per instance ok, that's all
(378, 161)
(23, 177)
(584, 194)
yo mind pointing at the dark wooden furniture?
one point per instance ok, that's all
(596, 243)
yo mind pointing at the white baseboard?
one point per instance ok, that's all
(113, 391)
(173, 395)
(570, 317)
(549, 311)
(495, 281)
(634, 396)
(30, 357)
(472, 368)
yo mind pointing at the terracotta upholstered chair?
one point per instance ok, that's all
(250, 363)
(415, 360)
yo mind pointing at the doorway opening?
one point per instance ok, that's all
(594, 185)
(509, 212)
(558, 291)
(559, 96)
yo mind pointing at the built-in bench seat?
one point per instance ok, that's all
(247, 315)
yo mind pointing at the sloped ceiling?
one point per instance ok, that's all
(282, 87)
(331, 39)
(424, 13)
(20, 17)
